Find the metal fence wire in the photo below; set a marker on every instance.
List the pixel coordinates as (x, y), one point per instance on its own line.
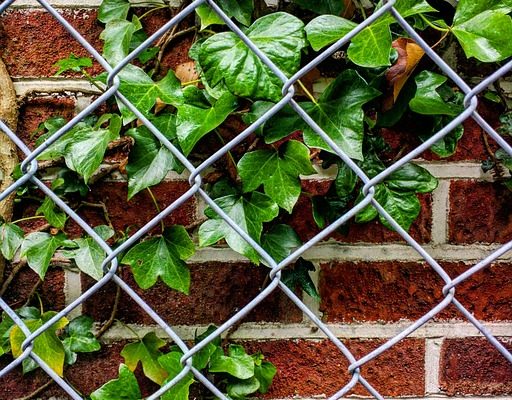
(30, 166)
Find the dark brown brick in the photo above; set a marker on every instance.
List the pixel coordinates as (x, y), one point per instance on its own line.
(474, 366)
(218, 290)
(316, 368)
(51, 290)
(33, 41)
(373, 232)
(479, 212)
(391, 291)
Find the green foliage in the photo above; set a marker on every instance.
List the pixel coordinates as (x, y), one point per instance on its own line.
(11, 237)
(322, 6)
(125, 387)
(72, 63)
(39, 248)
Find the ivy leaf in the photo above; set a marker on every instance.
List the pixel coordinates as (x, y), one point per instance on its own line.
(339, 113)
(485, 36)
(346, 180)
(248, 213)
(11, 237)
(194, 122)
(117, 36)
(53, 214)
(162, 257)
(146, 352)
(72, 63)
(280, 241)
(47, 345)
(39, 248)
(171, 363)
(5, 329)
(447, 146)
(377, 36)
(125, 387)
(299, 276)
(113, 9)
(79, 338)
(89, 256)
(404, 207)
(427, 100)
(334, 7)
(142, 91)
(208, 17)
(149, 161)
(411, 177)
(237, 363)
(225, 58)
(277, 171)
(239, 389)
(264, 372)
(327, 29)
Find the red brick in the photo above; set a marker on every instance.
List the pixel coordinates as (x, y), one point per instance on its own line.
(373, 232)
(39, 109)
(129, 216)
(217, 291)
(479, 212)
(316, 368)
(51, 290)
(474, 366)
(391, 291)
(33, 41)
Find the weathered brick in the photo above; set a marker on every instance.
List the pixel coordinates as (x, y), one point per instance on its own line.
(479, 212)
(474, 366)
(316, 368)
(391, 291)
(373, 232)
(218, 290)
(51, 289)
(32, 41)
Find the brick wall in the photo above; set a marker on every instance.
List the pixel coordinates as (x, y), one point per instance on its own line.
(372, 285)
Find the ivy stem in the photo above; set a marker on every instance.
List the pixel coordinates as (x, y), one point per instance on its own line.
(157, 207)
(441, 40)
(38, 390)
(151, 11)
(112, 318)
(191, 82)
(308, 93)
(16, 269)
(130, 329)
(27, 219)
(92, 81)
(437, 28)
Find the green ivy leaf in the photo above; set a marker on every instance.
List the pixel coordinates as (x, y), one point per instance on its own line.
(39, 248)
(53, 214)
(327, 29)
(149, 161)
(427, 99)
(248, 213)
(486, 36)
(225, 58)
(280, 241)
(277, 171)
(339, 113)
(377, 36)
(47, 345)
(113, 9)
(89, 255)
(143, 92)
(194, 122)
(202, 357)
(334, 7)
(162, 257)
(413, 178)
(117, 36)
(146, 351)
(5, 329)
(241, 10)
(72, 63)
(239, 389)
(237, 363)
(79, 338)
(404, 207)
(125, 387)
(208, 17)
(299, 276)
(11, 237)
(171, 363)
(264, 372)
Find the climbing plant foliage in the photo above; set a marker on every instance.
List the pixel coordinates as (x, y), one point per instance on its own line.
(377, 82)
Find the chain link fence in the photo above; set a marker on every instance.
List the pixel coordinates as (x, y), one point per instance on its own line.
(29, 168)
